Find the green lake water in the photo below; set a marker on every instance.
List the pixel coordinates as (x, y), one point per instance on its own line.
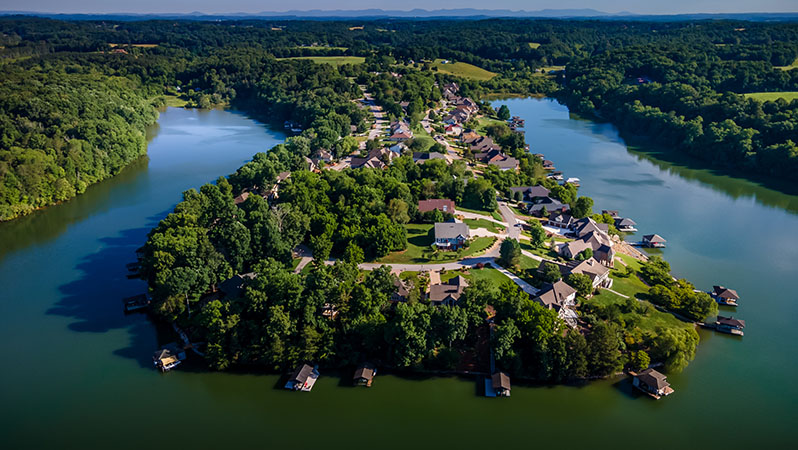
(77, 372)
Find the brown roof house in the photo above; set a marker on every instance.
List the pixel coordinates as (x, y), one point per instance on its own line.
(402, 293)
(500, 382)
(451, 235)
(447, 293)
(724, 295)
(443, 205)
(364, 374)
(599, 273)
(560, 297)
(652, 383)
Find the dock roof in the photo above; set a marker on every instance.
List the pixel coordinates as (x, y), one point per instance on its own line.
(723, 292)
(651, 377)
(500, 380)
(731, 322)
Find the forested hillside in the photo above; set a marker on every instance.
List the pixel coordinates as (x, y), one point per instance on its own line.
(77, 96)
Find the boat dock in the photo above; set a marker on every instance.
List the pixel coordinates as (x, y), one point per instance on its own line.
(136, 303)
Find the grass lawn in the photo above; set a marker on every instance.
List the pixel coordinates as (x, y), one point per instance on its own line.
(493, 214)
(534, 44)
(544, 252)
(463, 70)
(651, 319)
(472, 275)
(334, 60)
(175, 101)
(419, 241)
(320, 47)
(485, 121)
(772, 96)
(486, 224)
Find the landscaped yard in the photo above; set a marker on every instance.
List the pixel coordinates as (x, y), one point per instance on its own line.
(463, 70)
(651, 319)
(493, 227)
(472, 275)
(419, 242)
(493, 214)
(334, 60)
(773, 96)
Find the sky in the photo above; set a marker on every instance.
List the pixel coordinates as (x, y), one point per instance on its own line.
(252, 6)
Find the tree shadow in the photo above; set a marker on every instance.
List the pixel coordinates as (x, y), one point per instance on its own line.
(93, 300)
(624, 386)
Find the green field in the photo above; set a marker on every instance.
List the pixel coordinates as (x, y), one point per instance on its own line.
(333, 60)
(651, 319)
(534, 44)
(419, 242)
(463, 70)
(493, 227)
(772, 96)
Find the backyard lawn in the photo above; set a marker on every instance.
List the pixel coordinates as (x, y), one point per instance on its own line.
(493, 227)
(419, 242)
(493, 214)
(651, 319)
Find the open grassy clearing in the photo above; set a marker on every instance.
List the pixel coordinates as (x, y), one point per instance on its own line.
(320, 47)
(794, 65)
(493, 227)
(333, 60)
(651, 318)
(772, 96)
(473, 275)
(133, 45)
(463, 70)
(493, 214)
(175, 101)
(534, 44)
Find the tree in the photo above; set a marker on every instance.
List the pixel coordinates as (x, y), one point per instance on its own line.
(583, 207)
(604, 349)
(656, 271)
(449, 324)
(503, 113)
(397, 210)
(537, 233)
(504, 336)
(510, 253)
(580, 282)
(639, 360)
(585, 254)
(353, 254)
(551, 272)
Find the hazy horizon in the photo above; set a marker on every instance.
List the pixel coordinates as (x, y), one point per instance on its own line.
(254, 6)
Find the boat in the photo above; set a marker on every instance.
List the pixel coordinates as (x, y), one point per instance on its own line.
(136, 302)
(303, 378)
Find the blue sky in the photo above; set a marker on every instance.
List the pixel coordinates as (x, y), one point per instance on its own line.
(229, 6)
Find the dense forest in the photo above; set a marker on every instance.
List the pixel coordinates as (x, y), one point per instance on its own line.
(77, 96)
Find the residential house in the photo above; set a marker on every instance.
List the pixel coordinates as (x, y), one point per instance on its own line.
(321, 156)
(468, 136)
(560, 219)
(443, 205)
(599, 273)
(492, 154)
(549, 205)
(447, 293)
(234, 287)
(652, 382)
(422, 157)
(274, 192)
(398, 148)
(653, 240)
(402, 293)
(241, 198)
(572, 249)
(451, 235)
(508, 163)
(379, 158)
(583, 227)
(532, 194)
(303, 378)
(453, 130)
(560, 297)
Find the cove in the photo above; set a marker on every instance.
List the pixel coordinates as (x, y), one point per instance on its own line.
(78, 372)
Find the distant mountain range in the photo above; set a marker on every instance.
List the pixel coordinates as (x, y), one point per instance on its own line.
(462, 13)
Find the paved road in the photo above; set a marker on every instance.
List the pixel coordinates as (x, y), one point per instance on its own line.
(508, 215)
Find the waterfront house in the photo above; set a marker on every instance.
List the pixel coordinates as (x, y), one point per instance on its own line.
(585, 226)
(364, 374)
(447, 293)
(599, 273)
(321, 156)
(560, 297)
(378, 158)
(401, 293)
(625, 224)
(730, 325)
(652, 383)
(234, 287)
(500, 382)
(303, 378)
(549, 205)
(724, 296)
(548, 165)
(443, 205)
(168, 357)
(451, 236)
(531, 194)
(241, 198)
(508, 163)
(572, 249)
(560, 219)
(653, 241)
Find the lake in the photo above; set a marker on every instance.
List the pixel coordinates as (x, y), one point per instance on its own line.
(78, 372)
